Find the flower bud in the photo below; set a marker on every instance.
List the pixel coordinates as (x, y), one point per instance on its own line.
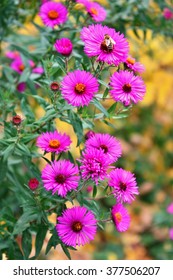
(33, 184)
(54, 86)
(16, 120)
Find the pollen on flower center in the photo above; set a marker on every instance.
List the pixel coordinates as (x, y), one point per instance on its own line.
(60, 178)
(54, 143)
(123, 186)
(127, 88)
(118, 217)
(21, 67)
(93, 11)
(53, 14)
(77, 226)
(104, 148)
(130, 60)
(80, 88)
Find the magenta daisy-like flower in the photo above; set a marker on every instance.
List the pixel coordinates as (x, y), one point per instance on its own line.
(78, 87)
(18, 65)
(124, 185)
(105, 43)
(170, 208)
(96, 11)
(77, 226)
(21, 87)
(53, 142)
(64, 46)
(53, 14)
(107, 143)
(133, 65)
(126, 87)
(94, 165)
(120, 217)
(60, 177)
(12, 54)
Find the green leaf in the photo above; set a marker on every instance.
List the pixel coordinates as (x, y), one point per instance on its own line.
(66, 251)
(53, 242)
(3, 169)
(112, 108)
(41, 234)
(71, 157)
(100, 107)
(26, 243)
(7, 152)
(94, 190)
(77, 125)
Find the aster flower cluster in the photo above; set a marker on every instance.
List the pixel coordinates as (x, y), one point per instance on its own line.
(18, 65)
(73, 84)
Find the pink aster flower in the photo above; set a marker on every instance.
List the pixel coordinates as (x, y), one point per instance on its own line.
(12, 54)
(105, 43)
(126, 87)
(21, 87)
(170, 208)
(78, 87)
(53, 14)
(171, 233)
(60, 177)
(53, 142)
(107, 143)
(77, 226)
(124, 185)
(120, 217)
(168, 14)
(18, 65)
(63, 46)
(96, 11)
(38, 70)
(94, 165)
(133, 65)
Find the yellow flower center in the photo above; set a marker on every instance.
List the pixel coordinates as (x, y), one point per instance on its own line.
(76, 226)
(127, 88)
(53, 14)
(80, 88)
(21, 67)
(130, 60)
(93, 11)
(54, 143)
(118, 217)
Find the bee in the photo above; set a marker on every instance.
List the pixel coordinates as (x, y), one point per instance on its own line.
(108, 43)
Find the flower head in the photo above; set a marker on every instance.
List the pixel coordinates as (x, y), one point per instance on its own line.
(126, 87)
(21, 87)
(133, 65)
(94, 165)
(64, 46)
(167, 13)
(107, 143)
(33, 184)
(77, 226)
(124, 185)
(96, 11)
(105, 43)
(60, 177)
(53, 142)
(78, 87)
(120, 217)
(18, 65)
(53, 14)
(170, 208)
(12, 54)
